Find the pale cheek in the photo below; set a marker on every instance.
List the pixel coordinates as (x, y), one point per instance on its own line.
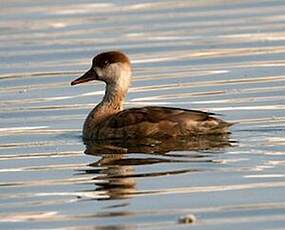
(113, 71)
(99, 72)
(125, 79)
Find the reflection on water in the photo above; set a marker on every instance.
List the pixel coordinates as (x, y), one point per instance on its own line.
(158, 146)
(117, 177)
(217, 56)
(116, 173)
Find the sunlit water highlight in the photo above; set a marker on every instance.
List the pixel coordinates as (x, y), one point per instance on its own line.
(220, 56)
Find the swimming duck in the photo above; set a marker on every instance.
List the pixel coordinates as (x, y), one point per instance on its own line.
(108, 120)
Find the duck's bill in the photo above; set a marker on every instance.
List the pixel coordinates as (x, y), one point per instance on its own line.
(90, 75)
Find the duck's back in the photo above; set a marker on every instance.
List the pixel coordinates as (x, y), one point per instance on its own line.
(158, 122)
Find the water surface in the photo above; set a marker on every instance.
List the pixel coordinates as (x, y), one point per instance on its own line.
(217, 56)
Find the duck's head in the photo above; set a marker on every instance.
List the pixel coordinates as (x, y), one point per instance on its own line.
(112, 67)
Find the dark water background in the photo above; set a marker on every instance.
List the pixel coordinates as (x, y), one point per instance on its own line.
(220, 56)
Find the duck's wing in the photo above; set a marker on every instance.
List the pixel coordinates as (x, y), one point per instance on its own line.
(161, 121)
(155, 114)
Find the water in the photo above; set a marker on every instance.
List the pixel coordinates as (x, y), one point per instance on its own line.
(223, 57)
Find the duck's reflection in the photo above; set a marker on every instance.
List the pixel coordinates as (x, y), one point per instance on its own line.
(115, 172)
(158, 146)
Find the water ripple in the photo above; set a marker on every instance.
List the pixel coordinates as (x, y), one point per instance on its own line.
(225, 57)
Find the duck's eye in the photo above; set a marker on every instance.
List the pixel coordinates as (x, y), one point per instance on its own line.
(106, 62)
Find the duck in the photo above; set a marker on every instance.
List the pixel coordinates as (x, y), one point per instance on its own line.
(109, 119)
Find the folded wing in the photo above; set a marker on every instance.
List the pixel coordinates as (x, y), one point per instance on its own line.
(159, 122)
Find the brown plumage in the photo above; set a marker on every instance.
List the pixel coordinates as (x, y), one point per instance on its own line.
(108, 120)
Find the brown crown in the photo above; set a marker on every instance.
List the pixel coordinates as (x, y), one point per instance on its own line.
(104, 59)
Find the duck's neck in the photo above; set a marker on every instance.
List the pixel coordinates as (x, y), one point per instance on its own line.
(111, 104)
(113, 99)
